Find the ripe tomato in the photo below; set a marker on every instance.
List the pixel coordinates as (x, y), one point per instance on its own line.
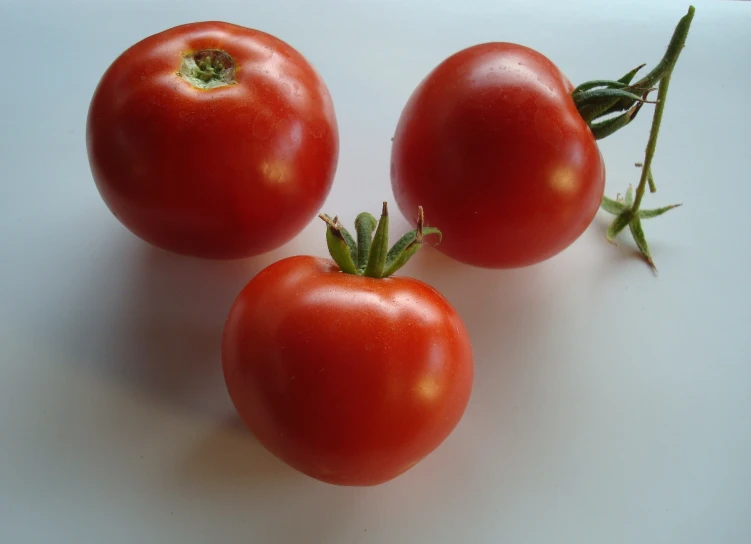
(349, 379)
(493, 145)
(213, 140)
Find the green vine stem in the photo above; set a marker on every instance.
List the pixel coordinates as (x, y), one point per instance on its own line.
(370, 255)
(662, 95)
(600, 101)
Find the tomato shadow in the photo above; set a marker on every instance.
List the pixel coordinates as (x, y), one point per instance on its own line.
(228, 461)
(509, 315)
(158, 320)
(153, 322)
(149, 323)
(502, 309)
(240, 478)
(167, 334)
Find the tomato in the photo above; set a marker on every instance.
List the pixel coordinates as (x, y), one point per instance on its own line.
(349, 379)
(213, 140)
(492, 144)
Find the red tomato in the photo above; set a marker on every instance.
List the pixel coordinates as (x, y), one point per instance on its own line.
(492, 144)
(349, 379)
(213, 140)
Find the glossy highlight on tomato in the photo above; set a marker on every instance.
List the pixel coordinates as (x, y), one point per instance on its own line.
(492, 144)
(213, 140)
(349, 379)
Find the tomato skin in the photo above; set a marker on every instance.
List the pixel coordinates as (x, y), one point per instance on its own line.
(492, 144)
(222, 173)
(348, 379)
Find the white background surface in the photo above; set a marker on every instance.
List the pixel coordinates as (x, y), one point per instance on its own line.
(610, 406)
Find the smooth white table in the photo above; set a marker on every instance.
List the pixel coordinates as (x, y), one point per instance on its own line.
(610, 406)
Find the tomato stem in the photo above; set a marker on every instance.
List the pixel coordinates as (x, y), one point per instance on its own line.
(208, 69)
(654, 132)
(599, 98)
(627, 210)
(371, 253)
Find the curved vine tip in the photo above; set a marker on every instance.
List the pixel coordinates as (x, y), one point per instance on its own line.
(370, 255)
(599, 101)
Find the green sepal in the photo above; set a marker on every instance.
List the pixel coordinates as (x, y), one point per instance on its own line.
(628, 199)
(347, 236)
(621, 222)
(596, 102)
(649, 214)
(338, 247)
(403, 250)
(379, 247)
(406, 240)
(629, 77)
(604, 94)
(641, 242)
(603, 129)
(402, 258)
(365, 224)
(612, 206)
(599, 83)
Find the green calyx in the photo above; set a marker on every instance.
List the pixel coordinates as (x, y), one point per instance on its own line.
(627, 215)
(607, 106)
(370, 255)
(607, 99)
(208, 69)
